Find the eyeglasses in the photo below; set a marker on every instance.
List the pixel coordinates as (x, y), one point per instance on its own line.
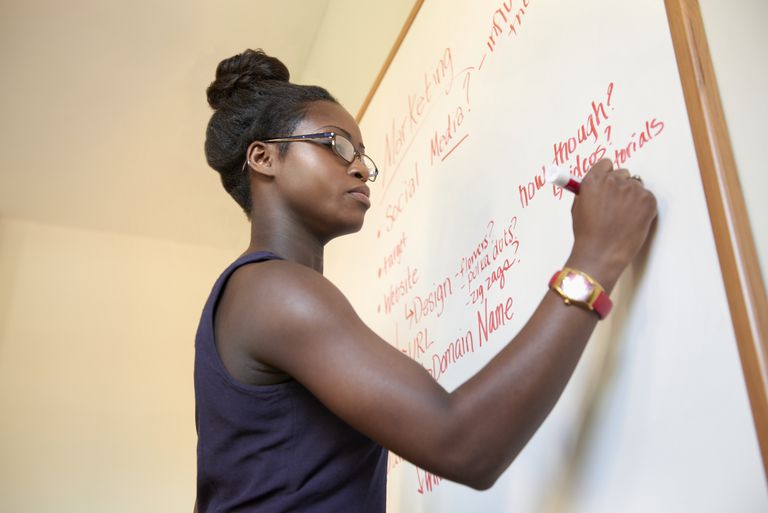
(340, 145)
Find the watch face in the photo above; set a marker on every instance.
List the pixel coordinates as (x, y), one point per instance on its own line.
(577, 287)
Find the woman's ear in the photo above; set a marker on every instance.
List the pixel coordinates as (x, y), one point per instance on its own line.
(262, 157)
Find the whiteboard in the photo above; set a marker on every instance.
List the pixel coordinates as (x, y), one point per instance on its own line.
(463, 237)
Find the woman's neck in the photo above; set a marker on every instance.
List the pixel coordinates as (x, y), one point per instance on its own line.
(292, 244)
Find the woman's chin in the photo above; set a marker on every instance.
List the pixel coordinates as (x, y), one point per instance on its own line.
(350, 228)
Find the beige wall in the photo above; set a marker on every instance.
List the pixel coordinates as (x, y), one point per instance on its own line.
(351, 46)
(97, 328)
(96, 338)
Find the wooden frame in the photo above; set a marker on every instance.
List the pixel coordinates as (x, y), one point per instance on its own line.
(739, 265)
(395, 48)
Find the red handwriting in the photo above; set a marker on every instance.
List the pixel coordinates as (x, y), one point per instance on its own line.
(477, 294)
(582, 162)
(434, 302)
(465, 83)
(589, 130)
(652, 128)
(471, 264)
(441, 145)
(448, 153)
(585, 162)
(394, 256)
(393, 461)
(402, 129)
(485, 268)
(489, 322)
(456, 350)
(427, 481)
(510, 15)
(443, 72)
(499, 275)
(485, 260)
(508, 239)
(408, 190)
(529, 190)
(399, 290)
(416, 346)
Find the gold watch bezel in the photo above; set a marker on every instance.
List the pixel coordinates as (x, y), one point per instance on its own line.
(589, 303)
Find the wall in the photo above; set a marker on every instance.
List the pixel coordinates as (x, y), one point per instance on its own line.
(97, 327)
(96, 334)
(738, 43)
(352, 43)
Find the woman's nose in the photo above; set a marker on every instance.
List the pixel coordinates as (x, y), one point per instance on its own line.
(359, 170)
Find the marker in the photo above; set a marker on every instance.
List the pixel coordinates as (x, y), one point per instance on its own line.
(560, 176)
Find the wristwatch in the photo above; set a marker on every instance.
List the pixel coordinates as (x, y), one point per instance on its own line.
(580, 289)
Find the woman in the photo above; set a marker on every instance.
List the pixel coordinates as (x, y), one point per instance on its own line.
(296, 397)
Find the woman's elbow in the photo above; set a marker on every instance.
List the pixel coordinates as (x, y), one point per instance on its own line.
(477, 474)
(482, 483)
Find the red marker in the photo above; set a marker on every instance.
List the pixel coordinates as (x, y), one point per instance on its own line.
(560, 176)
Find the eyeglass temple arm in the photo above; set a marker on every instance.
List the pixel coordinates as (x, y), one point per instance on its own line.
(323, 135)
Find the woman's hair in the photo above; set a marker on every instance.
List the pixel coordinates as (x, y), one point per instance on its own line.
(253, 100)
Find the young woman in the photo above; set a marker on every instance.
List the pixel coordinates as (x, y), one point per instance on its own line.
(297, 399)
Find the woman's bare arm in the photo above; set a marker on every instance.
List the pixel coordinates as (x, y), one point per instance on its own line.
(307, 328)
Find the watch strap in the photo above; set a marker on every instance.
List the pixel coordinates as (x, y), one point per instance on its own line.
(602, 305)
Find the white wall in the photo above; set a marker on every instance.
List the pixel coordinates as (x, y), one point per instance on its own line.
(738, 42)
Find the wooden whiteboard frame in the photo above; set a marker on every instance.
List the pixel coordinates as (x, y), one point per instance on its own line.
(736, 251)
(385, 67)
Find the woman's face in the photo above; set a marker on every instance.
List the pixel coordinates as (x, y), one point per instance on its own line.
(328, 195)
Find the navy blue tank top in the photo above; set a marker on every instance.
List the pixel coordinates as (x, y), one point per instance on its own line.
(275, 448)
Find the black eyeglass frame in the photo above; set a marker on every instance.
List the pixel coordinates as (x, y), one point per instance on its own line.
(331, 137)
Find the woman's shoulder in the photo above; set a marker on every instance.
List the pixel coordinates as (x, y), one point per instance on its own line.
(276, 277)
(267, 312)
(268, 295)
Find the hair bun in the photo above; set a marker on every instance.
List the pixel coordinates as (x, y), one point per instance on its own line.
(244, 71)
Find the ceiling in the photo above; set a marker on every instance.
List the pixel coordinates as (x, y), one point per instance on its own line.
(104, 109)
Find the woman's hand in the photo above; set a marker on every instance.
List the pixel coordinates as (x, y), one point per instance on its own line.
(612, 216)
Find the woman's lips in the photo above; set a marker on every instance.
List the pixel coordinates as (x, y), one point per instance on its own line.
(361, 197)
(361, 194)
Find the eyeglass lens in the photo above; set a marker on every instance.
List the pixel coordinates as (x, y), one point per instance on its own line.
(346, 150)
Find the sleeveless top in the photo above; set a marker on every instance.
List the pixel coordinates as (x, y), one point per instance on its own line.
(274, 448)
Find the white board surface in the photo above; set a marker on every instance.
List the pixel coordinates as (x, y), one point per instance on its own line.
(462, 239)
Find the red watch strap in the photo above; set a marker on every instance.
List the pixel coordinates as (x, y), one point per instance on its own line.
(602, 305)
